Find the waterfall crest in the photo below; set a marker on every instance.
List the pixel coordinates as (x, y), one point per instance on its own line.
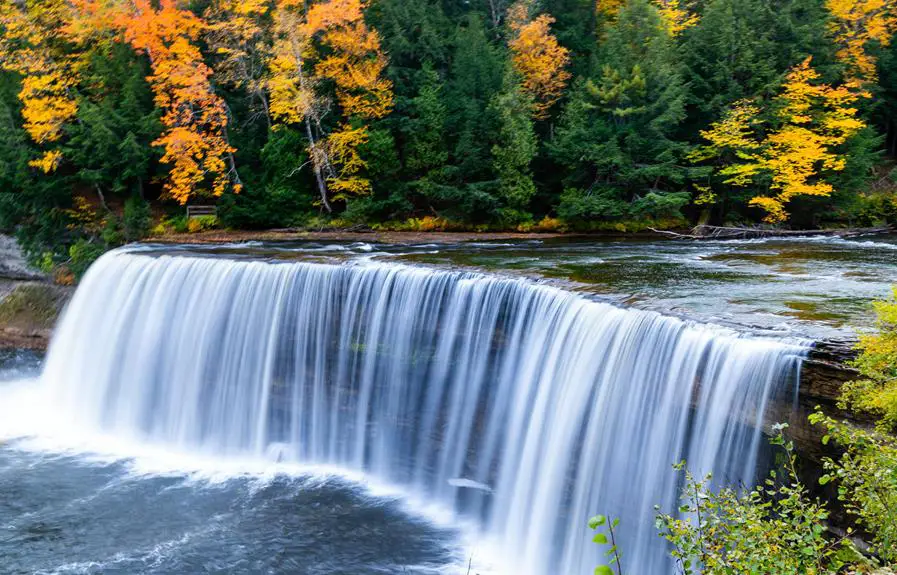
(523, 407)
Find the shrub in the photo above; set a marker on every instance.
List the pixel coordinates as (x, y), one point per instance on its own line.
(876, 390)
(81, 254)
(866, 475)
(773, 528)
(201, 224)
(136, 219)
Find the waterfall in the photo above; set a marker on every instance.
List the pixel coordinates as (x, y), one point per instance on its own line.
(523, 407)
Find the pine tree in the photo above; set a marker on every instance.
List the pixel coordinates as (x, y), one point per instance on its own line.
(617, 134)
(516, 147)
(730, 55)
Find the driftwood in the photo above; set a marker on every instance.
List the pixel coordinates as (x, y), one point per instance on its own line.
(704, 232)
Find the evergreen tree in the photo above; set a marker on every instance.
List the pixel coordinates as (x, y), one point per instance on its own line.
(515, 150)
(110, 144)
(616, 137)
(730, 55)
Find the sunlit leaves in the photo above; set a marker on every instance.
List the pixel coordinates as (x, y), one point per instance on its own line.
(343, 146)
(195, 140)
(856, 26)
(677, 15)
(329, 43)
(537, 57)
(355, 62)
(33, 44)
(810, 122)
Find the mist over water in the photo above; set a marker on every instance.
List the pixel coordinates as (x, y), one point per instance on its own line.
(517, 410)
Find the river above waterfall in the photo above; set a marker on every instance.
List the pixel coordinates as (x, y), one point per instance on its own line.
(813, 287)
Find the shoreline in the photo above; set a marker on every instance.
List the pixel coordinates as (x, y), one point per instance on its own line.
(387, 237)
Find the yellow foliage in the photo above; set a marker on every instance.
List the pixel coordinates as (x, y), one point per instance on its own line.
(47, 162)
(342, 147)
(537, 57)
(351, 58)
(607, 10)
(812, 120)
(705, 196)
(815, 119)
(290, 89)
(734, 132)
(84, 216)
(195, 118)
(32, 37)
(855, 24)
(356, 62)
(676, 16)
(236, 34)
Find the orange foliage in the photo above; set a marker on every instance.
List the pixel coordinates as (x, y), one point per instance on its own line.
(195, 118)
(356, 61)
(857, 23)
(537, 57)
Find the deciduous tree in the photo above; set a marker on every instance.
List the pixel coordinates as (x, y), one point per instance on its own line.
(195, 118)
(33, 45)
(537, 57)
(856, 26)
(810, 122)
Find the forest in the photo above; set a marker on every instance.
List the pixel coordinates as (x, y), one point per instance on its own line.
(533, 115)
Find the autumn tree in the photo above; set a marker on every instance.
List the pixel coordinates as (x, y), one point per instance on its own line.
(238, 35)
(677, 15)
(537, 57)
(33, 44)
(351, 59)
(810, 122)
(857, 25)
(195, 118)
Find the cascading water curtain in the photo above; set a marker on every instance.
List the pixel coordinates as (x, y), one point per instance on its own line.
(523, 407)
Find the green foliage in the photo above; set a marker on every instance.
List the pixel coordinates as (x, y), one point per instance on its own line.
(617, 137)
(876, 390)
(866, 477)
(136, 219)
(82, 253)
(774, 528)
(202, 224)
(516, 148)
(598, 523)
(459, 143)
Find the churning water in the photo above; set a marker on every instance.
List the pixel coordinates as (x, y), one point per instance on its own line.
(516, 408)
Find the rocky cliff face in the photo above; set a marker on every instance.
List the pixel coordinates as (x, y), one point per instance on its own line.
(29, 301)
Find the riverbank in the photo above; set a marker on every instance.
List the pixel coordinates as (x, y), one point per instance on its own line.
(386, 237)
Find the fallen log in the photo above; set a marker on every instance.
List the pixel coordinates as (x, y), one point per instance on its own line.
(705, 232)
